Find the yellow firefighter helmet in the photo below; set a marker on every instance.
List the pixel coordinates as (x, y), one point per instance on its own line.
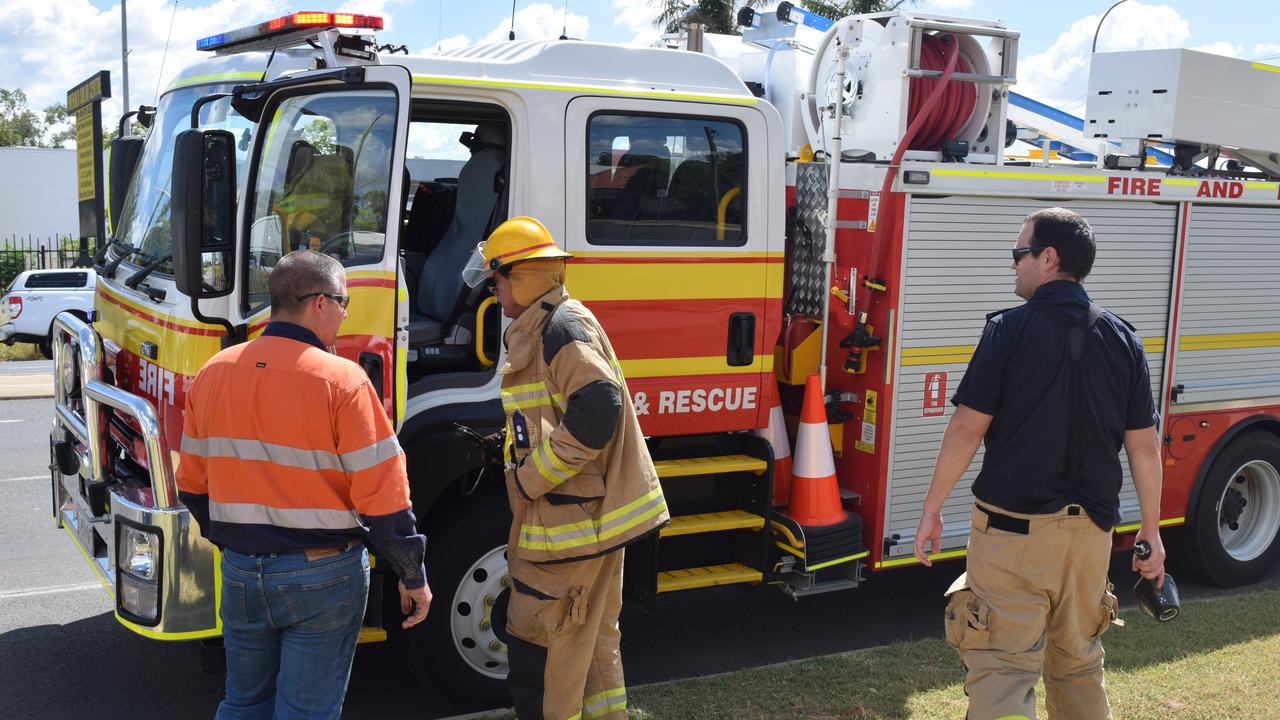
(516, 240)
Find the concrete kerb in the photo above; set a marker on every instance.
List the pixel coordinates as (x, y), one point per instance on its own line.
(15, 387)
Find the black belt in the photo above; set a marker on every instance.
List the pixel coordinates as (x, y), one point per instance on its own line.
(1009, 523)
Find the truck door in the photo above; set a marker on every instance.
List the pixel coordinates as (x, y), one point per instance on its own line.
(667, 216)
(326, 175)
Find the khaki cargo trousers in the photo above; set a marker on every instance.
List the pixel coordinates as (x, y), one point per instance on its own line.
(564, 656)
(1032, 604)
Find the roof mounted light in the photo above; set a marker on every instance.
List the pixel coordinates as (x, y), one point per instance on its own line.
(308, 22)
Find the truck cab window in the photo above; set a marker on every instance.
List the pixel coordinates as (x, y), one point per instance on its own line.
(660, 180)
(322, 182)
(143, 226)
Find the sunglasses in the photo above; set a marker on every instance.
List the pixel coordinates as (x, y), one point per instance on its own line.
(1019, 252)
(342, 300)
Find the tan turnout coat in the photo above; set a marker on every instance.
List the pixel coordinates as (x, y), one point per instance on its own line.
(580, 479)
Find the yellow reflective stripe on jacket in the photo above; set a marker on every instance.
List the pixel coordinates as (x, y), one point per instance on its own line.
(549, 466)
(586, 532)
(604, 703)
(522, 397)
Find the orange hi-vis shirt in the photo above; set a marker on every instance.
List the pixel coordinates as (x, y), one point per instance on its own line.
(286, 446)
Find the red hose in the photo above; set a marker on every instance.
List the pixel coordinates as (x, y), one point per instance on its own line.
(952, 112)
(942, 46)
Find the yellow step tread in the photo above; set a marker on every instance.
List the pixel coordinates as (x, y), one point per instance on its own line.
(712, 522)
(371, 635)
(709, 465)
(708, 576)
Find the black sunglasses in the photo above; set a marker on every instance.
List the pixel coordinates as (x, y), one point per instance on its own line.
(1019, 252)
(342, 300)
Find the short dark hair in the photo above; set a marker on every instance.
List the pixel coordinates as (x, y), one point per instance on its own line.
(300, 273)
(1069, 234)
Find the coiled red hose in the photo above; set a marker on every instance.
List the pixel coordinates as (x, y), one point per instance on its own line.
(951, 112)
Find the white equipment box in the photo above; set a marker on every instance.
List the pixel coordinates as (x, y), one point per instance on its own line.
(1185, 96)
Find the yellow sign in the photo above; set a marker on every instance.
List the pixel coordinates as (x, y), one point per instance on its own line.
(95, 88)
(866, 441)
(85, 148)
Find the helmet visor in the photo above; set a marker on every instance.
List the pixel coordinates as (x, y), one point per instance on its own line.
(477, 271)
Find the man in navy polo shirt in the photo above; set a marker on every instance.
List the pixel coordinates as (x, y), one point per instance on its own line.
(1055, 388)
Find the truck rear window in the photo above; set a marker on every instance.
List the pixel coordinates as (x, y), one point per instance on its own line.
(57, 280)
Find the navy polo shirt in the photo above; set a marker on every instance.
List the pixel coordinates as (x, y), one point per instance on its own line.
(1021, 375)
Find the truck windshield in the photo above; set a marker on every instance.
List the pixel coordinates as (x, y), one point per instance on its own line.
(143, 226)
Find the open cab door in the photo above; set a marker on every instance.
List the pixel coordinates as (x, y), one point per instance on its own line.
(327, 174)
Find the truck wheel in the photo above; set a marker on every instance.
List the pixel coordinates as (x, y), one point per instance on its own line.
(1237, 519)
(456, 646)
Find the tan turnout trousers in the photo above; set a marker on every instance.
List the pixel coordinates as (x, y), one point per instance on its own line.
(564, 655)
(1030, 604)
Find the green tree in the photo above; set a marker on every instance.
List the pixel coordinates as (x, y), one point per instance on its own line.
(19, 124)
(721, 16)
(837, 10)
(59, 127)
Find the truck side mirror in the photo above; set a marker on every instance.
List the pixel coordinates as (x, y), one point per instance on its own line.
(203, 212)
(125, 153)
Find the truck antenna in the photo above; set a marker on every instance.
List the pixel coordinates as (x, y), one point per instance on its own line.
(512, 35)
(165, 55)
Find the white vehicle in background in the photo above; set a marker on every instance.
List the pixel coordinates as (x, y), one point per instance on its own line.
(35, 297)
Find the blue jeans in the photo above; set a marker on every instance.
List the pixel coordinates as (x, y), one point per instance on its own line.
(290, 628)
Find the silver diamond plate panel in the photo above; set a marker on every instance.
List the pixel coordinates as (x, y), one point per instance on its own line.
(806, 237)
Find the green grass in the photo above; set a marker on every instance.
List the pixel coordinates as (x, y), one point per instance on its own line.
(19, 351)
(1219, 659)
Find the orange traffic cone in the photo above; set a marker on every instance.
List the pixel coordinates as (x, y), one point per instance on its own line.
(815, 494)
(776, 434)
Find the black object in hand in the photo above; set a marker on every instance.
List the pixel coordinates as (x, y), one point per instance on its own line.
(1162, 602)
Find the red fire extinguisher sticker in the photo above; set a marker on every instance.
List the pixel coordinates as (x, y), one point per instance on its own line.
(935, 394)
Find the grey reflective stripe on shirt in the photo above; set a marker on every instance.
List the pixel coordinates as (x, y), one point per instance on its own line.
(242, 449)
(370, 455)
(297, 518)
(245, 449)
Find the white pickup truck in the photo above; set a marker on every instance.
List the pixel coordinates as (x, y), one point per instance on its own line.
(35, 296)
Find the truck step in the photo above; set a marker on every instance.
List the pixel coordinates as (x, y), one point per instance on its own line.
(712, 522)
(710, 465)
(371, 635)
(711, 575)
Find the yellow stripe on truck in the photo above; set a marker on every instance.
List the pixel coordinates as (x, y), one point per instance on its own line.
(673, 281)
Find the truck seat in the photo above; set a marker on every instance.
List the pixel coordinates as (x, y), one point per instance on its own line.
(478, 192)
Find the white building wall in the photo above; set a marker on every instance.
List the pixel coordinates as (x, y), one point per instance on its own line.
(37, 193)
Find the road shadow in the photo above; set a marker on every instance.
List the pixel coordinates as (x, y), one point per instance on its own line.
(95, 668)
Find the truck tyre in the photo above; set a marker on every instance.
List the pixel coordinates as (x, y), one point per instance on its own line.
(45, 346)
(456, 646)
(1236, 523)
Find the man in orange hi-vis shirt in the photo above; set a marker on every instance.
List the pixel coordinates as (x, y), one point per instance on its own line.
(289, 464)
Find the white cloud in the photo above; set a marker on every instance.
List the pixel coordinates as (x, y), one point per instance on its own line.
(1265, 51)
(539, 21)
(636, 17)
(51, 45)
(951, 4)
(1221, 47)
(1059, 76)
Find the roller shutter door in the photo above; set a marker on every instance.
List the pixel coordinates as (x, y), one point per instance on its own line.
(956, 271)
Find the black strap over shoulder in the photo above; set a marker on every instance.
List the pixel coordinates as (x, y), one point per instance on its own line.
(1077, 336)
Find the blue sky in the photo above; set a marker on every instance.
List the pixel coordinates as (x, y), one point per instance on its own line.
(51, 45)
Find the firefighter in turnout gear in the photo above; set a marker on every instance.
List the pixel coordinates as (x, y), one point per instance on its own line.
(579, 478)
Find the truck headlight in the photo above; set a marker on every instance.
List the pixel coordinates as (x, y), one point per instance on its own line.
(138, 555)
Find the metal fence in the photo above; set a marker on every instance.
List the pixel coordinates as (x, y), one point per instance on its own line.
(32, 252)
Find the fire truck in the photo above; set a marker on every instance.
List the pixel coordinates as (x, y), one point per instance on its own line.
(811, 197)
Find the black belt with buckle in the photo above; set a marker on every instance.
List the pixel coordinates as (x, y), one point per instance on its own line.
(1008, 523)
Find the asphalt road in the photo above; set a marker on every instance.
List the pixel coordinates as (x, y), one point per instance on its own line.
(26, 367)
(63, 654)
